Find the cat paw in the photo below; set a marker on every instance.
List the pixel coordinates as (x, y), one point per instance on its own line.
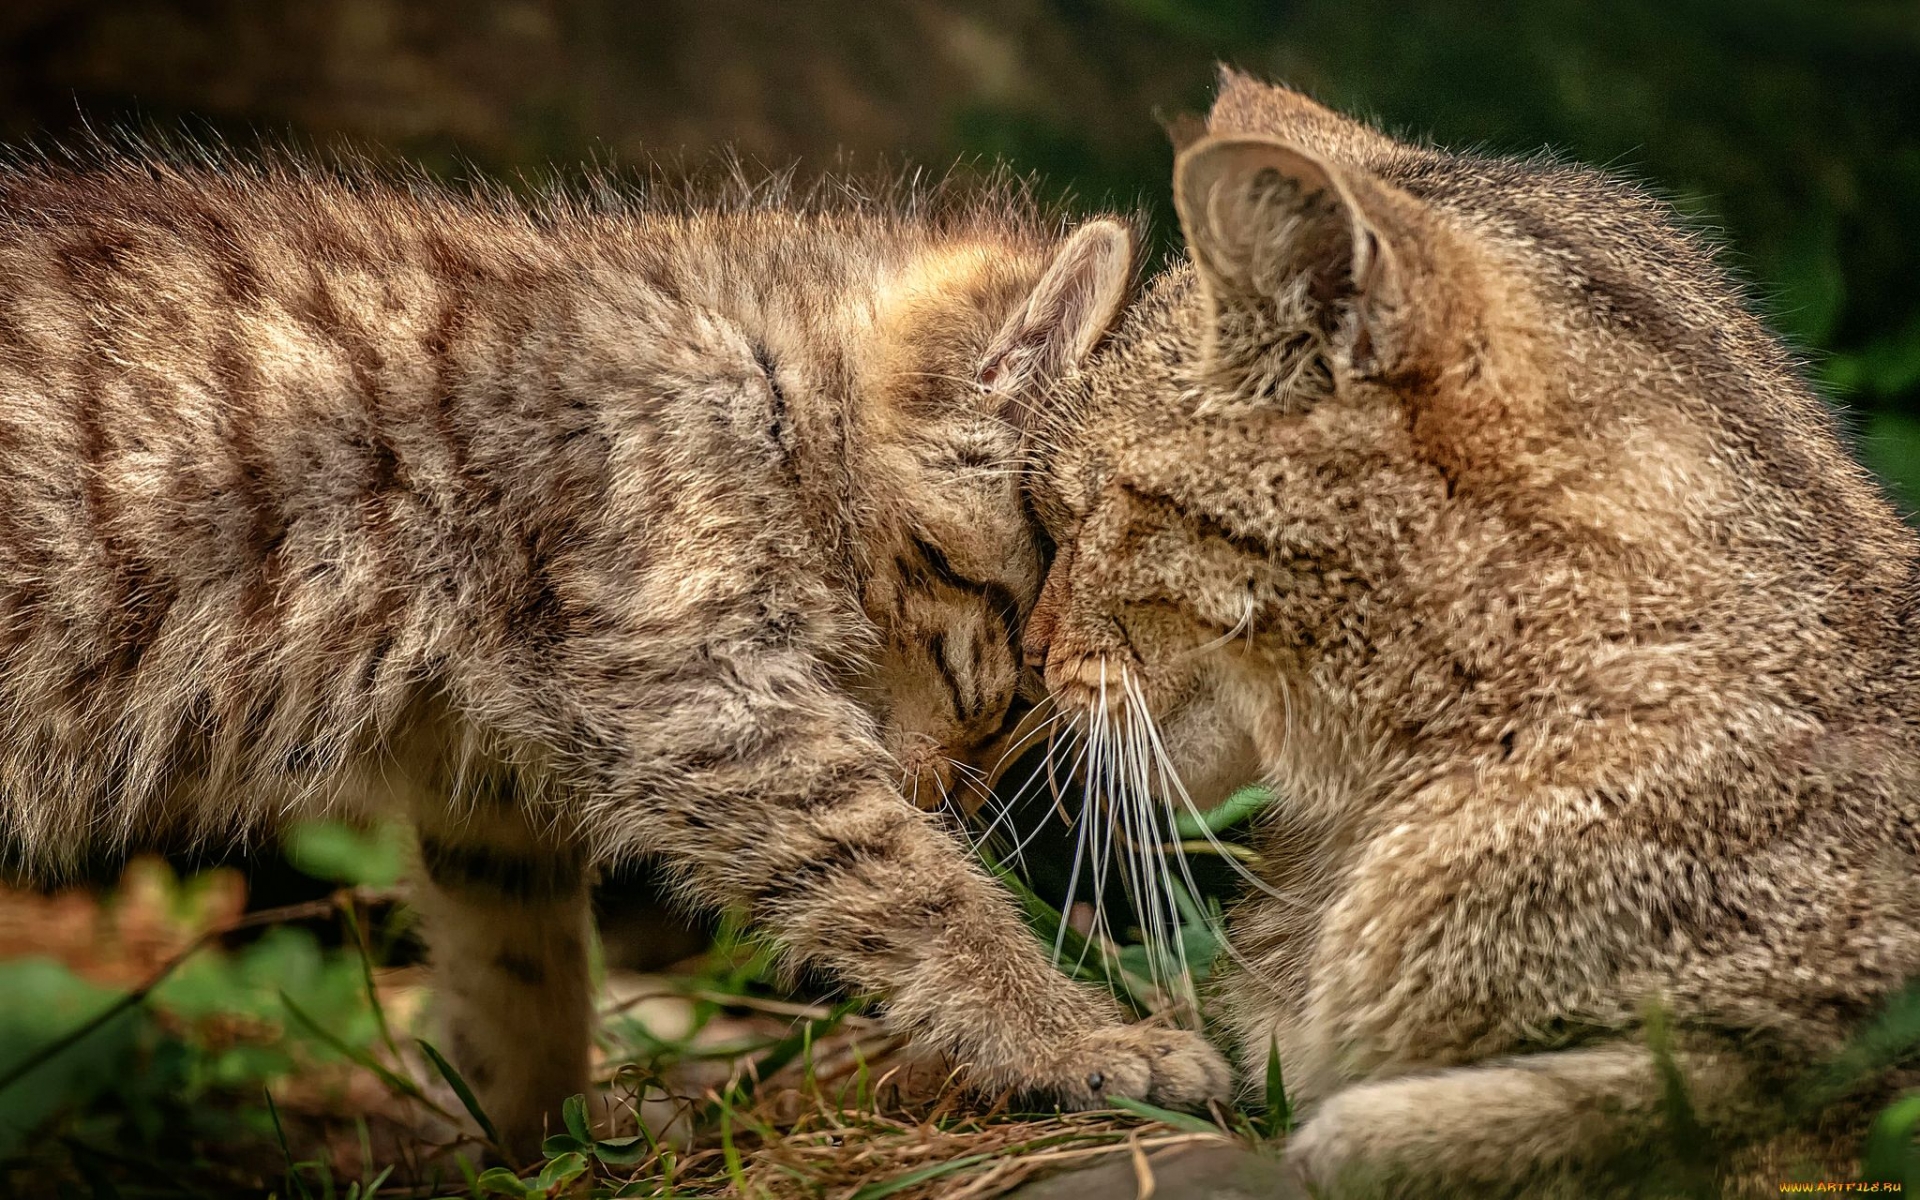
(1173, 1068)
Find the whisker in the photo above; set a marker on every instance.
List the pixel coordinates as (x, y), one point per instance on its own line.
(1073, 884)
(1032, 781)
(1243, 625)
(1162, 918)
(1097, 770)
(1171, 777)
(1023, 738)
(1022, 844)
(1079, 769)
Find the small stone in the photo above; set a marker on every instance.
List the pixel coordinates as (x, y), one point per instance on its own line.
(1196, 1172)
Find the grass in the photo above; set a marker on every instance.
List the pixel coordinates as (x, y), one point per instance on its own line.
(163, 1042)
(158, 1040)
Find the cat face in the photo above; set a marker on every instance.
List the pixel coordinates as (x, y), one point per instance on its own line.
(1147, 603)
(964, 568)
(1407, 426)
(970, 339)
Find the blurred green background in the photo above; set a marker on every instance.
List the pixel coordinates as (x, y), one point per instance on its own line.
(1788, 125)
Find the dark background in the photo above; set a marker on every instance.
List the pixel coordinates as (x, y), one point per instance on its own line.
(1788, 125)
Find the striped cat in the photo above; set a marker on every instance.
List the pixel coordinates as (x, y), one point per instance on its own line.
(567, 535)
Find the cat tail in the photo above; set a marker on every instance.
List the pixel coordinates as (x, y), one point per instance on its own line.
(1614, 1119)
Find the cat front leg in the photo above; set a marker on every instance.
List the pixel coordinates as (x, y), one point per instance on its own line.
(507, 922)
(765, 789)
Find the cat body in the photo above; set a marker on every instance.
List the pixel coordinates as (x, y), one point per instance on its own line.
(1581, 653)
(567, 536)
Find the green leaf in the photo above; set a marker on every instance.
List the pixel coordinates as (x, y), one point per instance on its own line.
(561, 1143)
(337, 851)
(574, 1113)
(624, 1152)
(498, 1181)
(1279, 1119)
(1199, 943)
(1166, 1116)
(561, 1171)
(460, 1089)
(45, 1003)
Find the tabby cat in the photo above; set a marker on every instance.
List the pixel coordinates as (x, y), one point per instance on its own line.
(1467, 493)
(568, 535)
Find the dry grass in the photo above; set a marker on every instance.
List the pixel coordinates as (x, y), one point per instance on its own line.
(856, 1116)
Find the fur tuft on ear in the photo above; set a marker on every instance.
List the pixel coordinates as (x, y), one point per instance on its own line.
(1069, 311)
(1293, 263)
(1246, 106)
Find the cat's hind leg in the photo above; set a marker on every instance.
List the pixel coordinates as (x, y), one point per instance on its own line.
(1607, 1120)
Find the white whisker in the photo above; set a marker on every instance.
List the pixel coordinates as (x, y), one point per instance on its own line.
(1024, 740)
(1171, 778)
(1243, 625)
(1162, 924)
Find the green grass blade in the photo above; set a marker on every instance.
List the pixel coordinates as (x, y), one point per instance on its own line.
(1692, 1144)
(1279, 1118)
(364, 952)
(295, 1183)
(1243, 805)
(729, 1152)
(360, 1058)
(1166, 1116)
(459, 1085)
(468, 1174)
(900, 1183)
(1891, 1038)
(1097, 966)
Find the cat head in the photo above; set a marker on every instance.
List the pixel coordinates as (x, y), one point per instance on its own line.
(1384, 368)
(965, 340)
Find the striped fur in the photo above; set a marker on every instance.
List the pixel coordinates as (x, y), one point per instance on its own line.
(568, 535)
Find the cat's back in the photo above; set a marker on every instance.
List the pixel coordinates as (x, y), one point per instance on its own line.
(277, 446)
(204, 369)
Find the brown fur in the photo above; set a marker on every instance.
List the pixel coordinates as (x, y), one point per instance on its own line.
(568, 535)
(1582, 654)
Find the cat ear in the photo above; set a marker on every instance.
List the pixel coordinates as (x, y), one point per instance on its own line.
(1067, 313)
(1297, 257)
